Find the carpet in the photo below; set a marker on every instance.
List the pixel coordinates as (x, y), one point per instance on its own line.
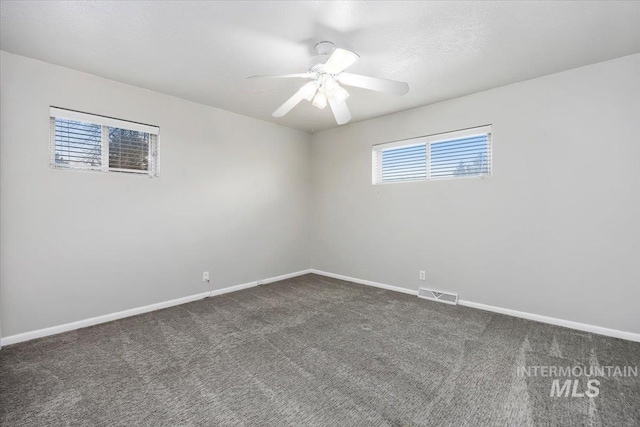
(313, 351)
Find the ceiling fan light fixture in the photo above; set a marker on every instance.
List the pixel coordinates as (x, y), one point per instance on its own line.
(320, 100)
(330, 86)
(309, 90)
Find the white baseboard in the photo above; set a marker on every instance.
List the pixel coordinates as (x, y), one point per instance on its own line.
(283, 277)
(555, 321)
(364, 282)
(631, 336)
(26, 336)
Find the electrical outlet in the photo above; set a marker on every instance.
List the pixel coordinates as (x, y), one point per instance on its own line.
(423, 275)
(205, 276)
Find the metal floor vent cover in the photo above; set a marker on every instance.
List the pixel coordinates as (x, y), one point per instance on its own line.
(445, 297)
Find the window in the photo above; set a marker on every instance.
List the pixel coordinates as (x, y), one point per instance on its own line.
(87, 141)
(448, 155)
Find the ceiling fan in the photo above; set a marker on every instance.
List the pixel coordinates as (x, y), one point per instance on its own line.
(327, 74)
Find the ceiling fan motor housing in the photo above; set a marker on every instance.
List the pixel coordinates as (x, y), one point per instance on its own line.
(324, 50)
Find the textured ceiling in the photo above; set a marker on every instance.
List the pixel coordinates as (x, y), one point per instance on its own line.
(202, 51)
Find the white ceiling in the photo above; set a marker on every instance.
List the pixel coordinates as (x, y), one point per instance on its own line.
(202, 51)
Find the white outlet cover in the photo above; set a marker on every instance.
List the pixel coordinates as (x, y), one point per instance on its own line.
(422, 275)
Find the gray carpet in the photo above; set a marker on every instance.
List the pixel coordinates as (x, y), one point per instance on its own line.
(312, 351)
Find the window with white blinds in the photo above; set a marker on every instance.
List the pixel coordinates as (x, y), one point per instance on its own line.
(448, 155)
(87, 141)
(407, 163)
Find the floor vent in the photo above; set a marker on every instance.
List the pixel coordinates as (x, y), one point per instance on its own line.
(445, 297)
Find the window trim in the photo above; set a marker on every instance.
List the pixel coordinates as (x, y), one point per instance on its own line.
(63, 113)
(428, 140)
(105, 122)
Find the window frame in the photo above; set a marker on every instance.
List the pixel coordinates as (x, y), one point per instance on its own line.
(377, 149)
(153, 156)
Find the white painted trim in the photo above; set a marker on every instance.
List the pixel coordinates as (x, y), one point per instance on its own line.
(102, 120)
(53, 330)
(284, 277)
(631, 336)
(365, 282)
(26, 336)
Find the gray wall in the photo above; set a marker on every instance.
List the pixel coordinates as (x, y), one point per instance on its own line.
(555, 231)
(232, 198)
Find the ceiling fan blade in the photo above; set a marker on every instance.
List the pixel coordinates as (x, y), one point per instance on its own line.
(281, 76)
(340, 111)
(374, 83)
(339, 60)
(305, 92)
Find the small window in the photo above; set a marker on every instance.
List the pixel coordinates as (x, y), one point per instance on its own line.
(449, 155)
(87, 141)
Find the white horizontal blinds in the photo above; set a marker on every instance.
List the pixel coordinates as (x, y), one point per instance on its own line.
(94, 143)
(77, 144)
(468, 156)
(128, 149)
(408, 163)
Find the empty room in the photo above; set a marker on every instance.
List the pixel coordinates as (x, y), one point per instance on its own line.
(310, 213)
